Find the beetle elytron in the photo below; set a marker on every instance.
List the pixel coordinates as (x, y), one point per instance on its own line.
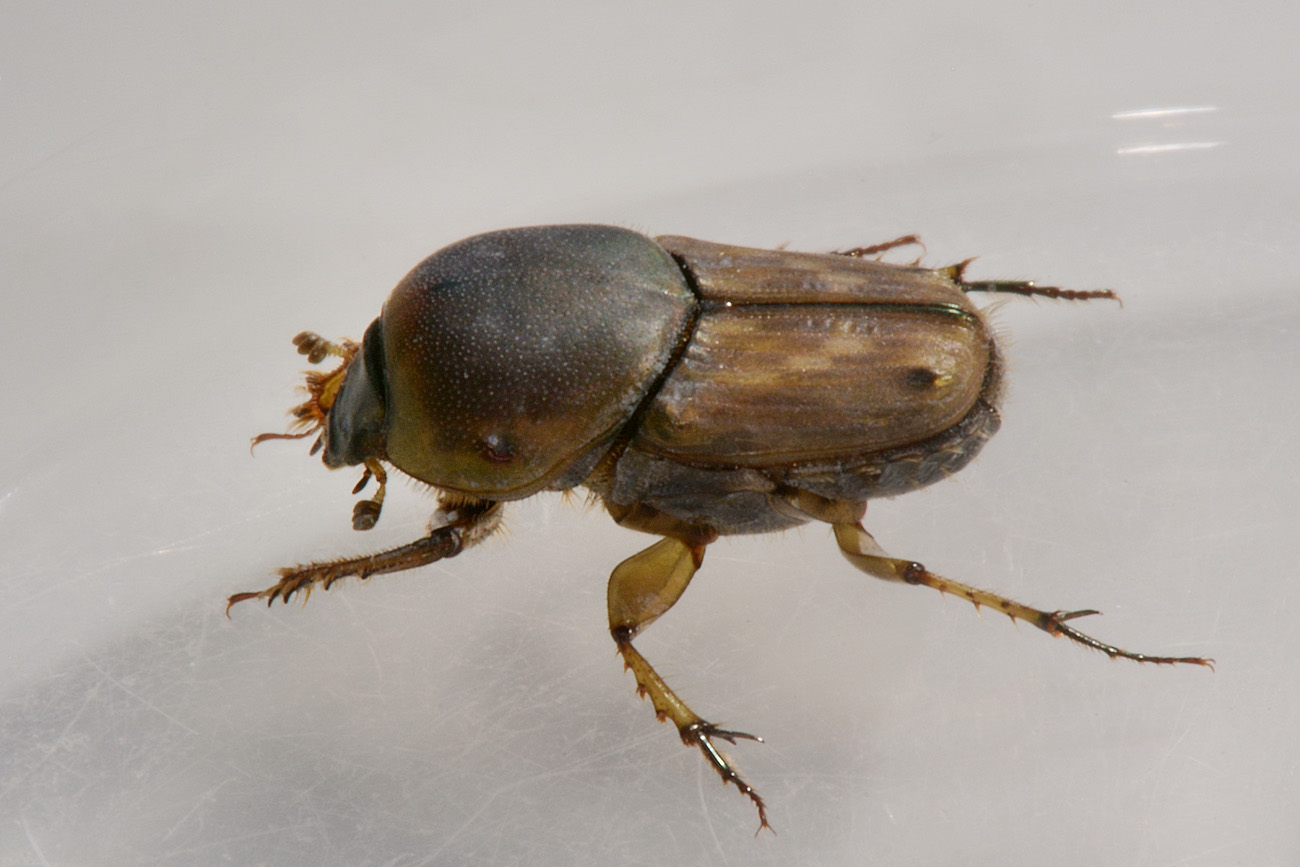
(696, 389)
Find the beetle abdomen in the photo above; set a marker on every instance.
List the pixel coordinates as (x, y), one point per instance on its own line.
(898, 470)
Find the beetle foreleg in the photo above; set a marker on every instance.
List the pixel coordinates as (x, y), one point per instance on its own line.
(864, 552)
(452, 531)
(642, 588)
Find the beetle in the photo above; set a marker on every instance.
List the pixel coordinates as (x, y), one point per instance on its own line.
(695, 389)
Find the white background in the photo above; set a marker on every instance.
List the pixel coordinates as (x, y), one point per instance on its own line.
(183, 187)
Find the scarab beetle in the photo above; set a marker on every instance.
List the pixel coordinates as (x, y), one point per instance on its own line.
(695, 389)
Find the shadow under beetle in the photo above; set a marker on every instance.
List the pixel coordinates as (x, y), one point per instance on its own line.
(696, 389)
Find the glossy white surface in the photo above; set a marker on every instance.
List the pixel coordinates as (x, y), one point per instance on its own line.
(184, 188)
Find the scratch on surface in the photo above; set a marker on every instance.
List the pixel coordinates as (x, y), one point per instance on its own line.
(49, 753)
(50, 584)
(200, 803)
(144, 701)
(469, 820)
(36, 847)
(491, 797)
(707, 813)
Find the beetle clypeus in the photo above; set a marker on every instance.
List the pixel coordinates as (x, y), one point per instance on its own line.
(696, 389)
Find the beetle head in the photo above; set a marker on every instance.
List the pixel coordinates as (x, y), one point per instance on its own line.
(353, 421)
(346, 408)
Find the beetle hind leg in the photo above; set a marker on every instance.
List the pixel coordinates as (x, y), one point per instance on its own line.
(862, 550)
(642, 588)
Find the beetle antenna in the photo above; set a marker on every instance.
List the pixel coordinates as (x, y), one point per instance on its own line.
(315, 347)
(322, 388)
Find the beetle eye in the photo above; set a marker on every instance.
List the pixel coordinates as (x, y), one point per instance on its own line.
(497, 449)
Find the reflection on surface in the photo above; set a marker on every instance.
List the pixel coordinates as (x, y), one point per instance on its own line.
(1170, 118)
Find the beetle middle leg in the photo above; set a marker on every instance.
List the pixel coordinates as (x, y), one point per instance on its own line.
(641, 589)
(861, 549)
(877, 249)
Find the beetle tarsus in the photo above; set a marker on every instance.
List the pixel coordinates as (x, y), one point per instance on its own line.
(1055, 625)
(1030, 289)
(700, 734)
